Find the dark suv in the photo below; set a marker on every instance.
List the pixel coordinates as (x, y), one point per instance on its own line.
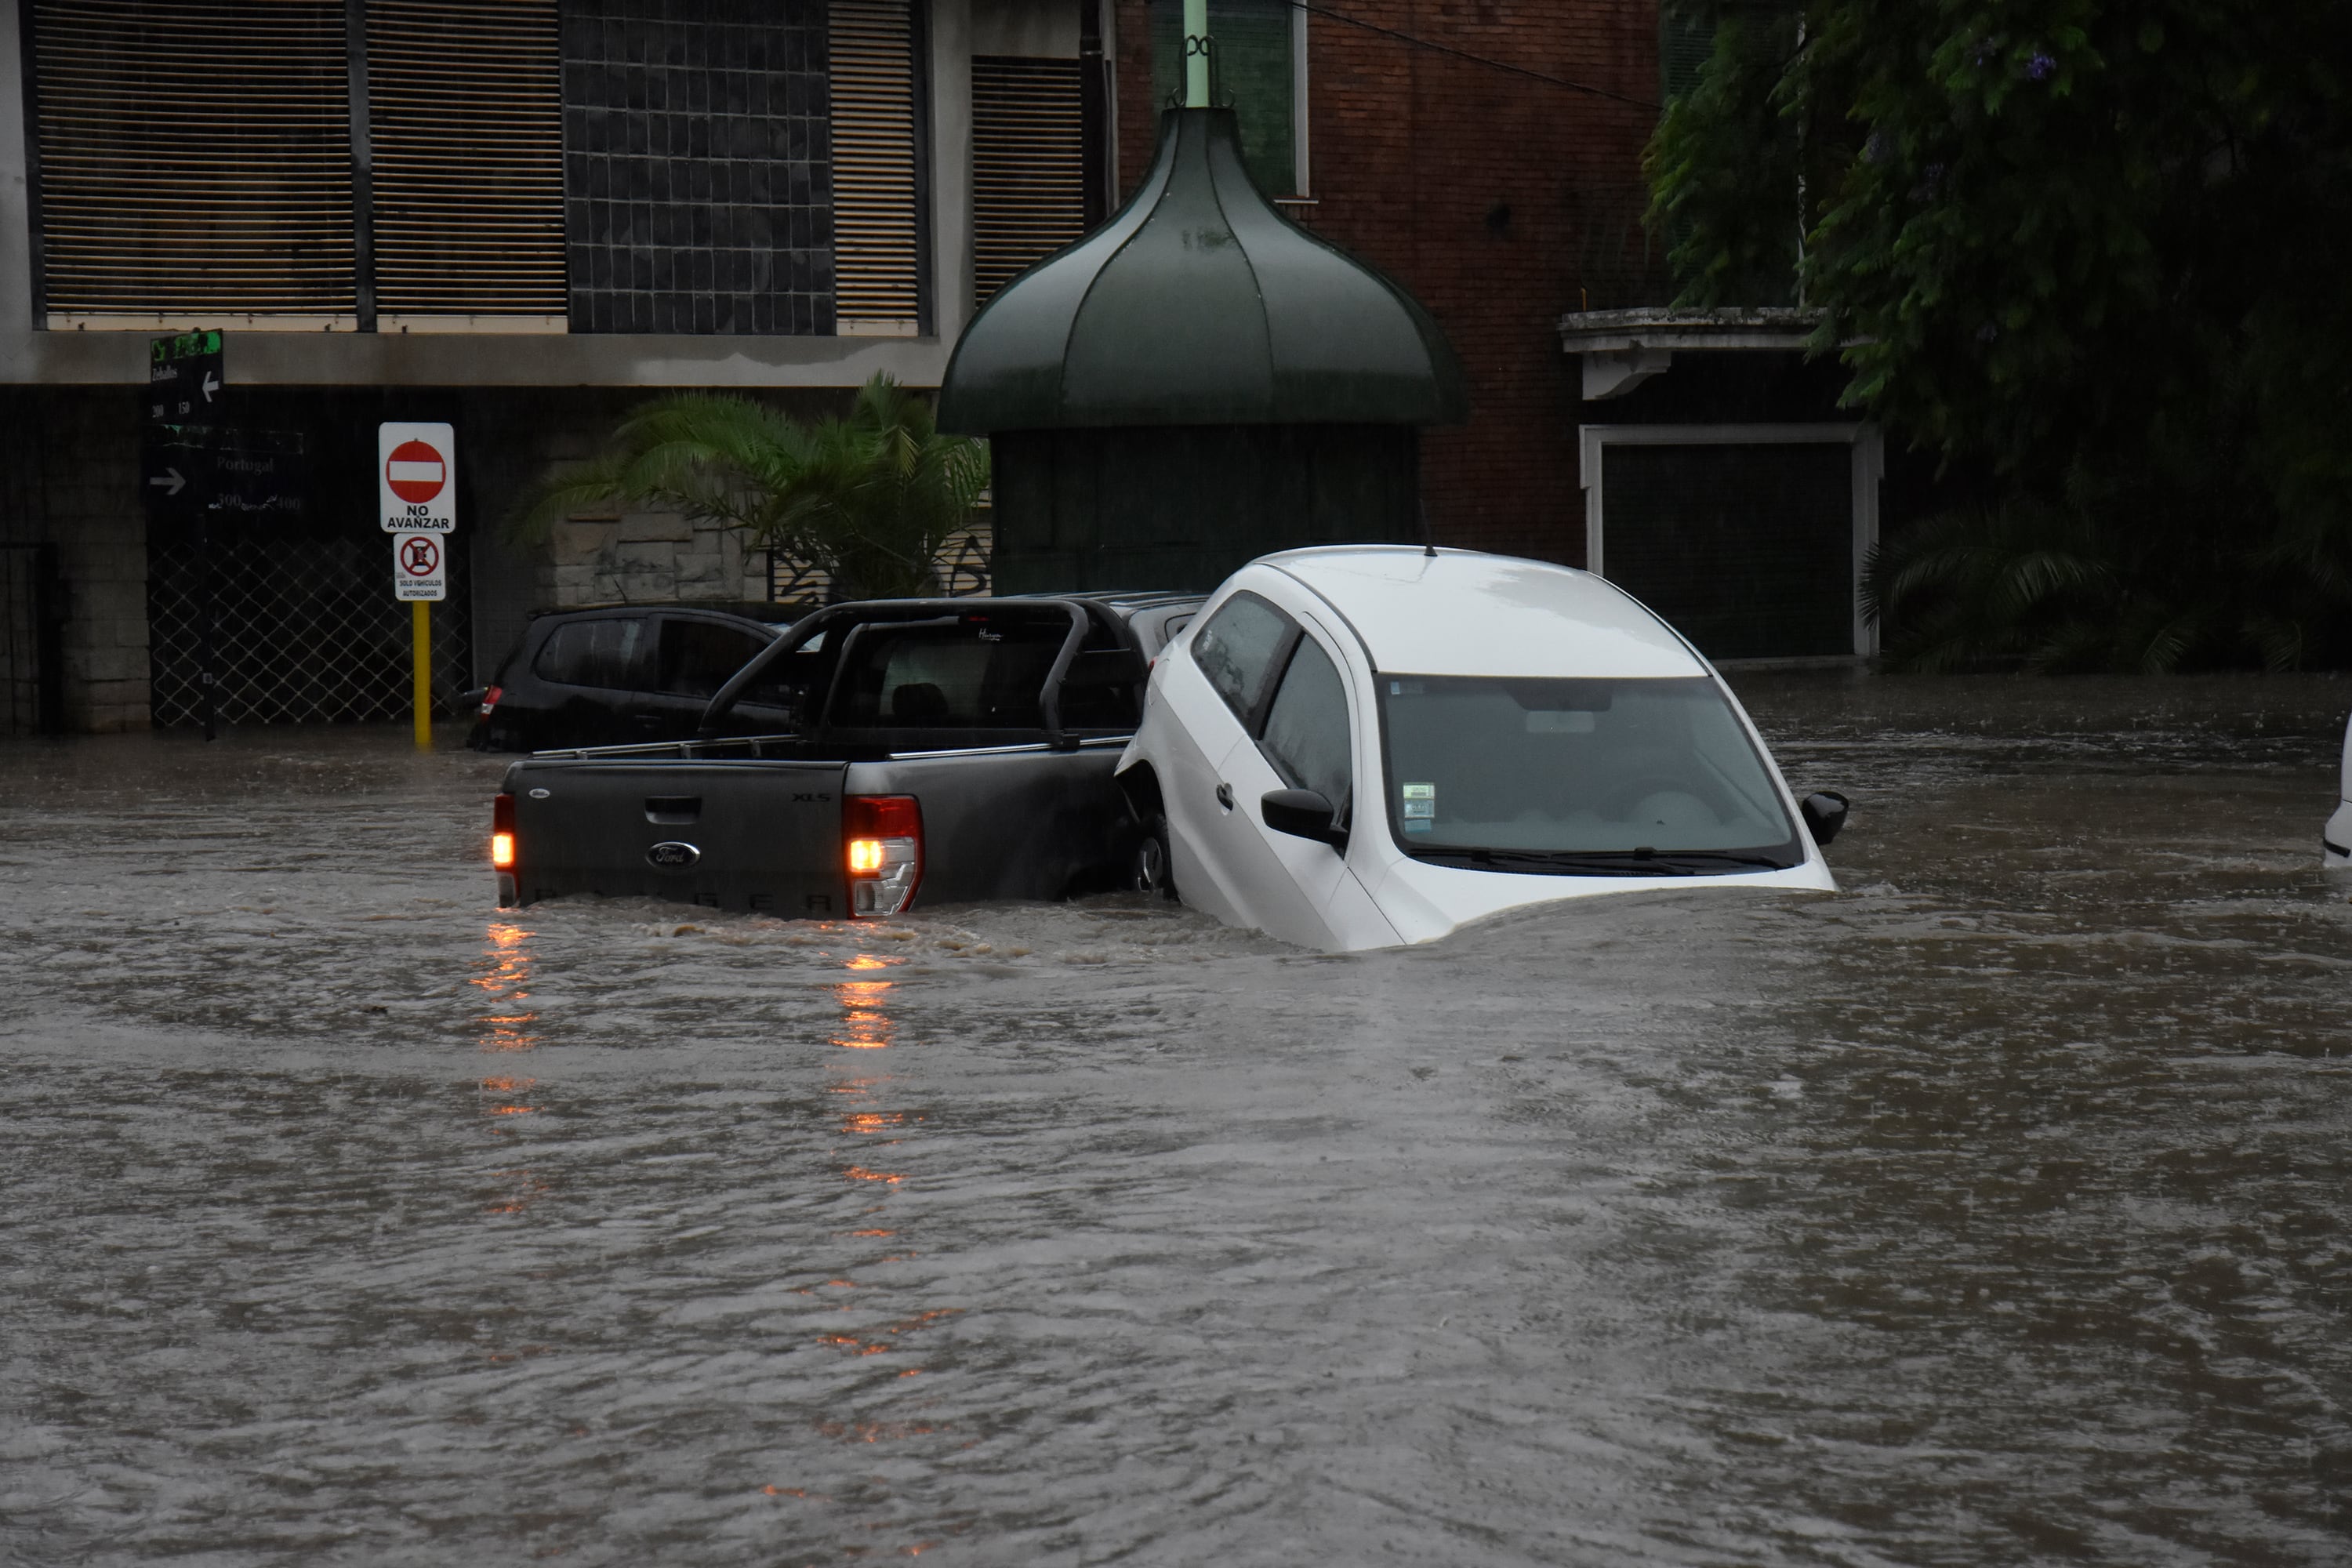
(619, 673)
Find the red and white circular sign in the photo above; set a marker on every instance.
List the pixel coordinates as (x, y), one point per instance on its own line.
(420, 555)
(416, 472)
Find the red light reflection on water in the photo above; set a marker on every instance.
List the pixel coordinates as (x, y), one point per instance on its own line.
(503, 970)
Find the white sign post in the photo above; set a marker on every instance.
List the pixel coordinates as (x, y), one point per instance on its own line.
(416, 490)
(416, 478)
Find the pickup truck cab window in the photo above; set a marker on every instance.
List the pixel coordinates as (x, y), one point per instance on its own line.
(601, 652)
(1237, 651)
(969, 674)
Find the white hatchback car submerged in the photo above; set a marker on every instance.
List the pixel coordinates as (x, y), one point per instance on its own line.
(1358, 746)
(2335, 839)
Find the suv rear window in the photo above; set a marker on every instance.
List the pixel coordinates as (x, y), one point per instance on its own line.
(696, 657)
(602, 652)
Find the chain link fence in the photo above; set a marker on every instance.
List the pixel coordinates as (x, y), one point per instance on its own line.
(304, 631)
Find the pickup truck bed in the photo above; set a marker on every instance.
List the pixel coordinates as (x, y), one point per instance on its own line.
(876, 808)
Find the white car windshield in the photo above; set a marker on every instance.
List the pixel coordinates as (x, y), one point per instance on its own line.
(1618, 777)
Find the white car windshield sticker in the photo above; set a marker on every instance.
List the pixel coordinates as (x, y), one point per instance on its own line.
(1420, 806)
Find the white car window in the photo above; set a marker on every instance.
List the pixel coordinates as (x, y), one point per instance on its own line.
(1236, 650)
(1306, 729)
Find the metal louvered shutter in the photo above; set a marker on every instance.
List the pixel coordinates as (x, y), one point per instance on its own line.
(1028, 165)
(877, 256)
(465, 128)
(195, 163)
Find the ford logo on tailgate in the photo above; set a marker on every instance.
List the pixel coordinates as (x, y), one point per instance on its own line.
(672, 855)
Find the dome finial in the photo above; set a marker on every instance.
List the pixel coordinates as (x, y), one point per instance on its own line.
(1197, 48)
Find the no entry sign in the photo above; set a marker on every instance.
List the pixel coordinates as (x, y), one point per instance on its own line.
(420, 568)
(416, 475)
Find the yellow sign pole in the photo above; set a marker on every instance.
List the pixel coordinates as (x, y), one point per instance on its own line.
(421, 656)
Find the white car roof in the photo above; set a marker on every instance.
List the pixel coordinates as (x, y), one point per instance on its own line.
(1463, 611)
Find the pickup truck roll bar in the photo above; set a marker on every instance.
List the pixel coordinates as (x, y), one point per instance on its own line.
(869, 611)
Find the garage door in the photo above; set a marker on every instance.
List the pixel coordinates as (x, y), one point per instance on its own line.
(1748, 549)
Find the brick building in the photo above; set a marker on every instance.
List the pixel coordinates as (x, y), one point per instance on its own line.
(1500, 199)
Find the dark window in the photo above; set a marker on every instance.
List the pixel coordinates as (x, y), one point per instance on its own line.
(698, 656)
(718, 217)
(1254, 73)
(1236, 651)
(1747, 549)
(974, 674)
(1306, 729)
(792, 684)
(592, 653)
(1028, 165)
(1103, 689)
(466, 131)
(195, 161)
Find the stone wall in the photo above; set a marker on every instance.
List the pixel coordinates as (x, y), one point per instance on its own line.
(638, 557)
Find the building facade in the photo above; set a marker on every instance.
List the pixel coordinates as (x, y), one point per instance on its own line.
(523, 216)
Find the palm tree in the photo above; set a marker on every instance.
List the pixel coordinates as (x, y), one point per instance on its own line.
(871, 499)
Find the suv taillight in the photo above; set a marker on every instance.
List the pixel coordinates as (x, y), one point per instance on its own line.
(882, 841)
(502, 833)
(490, 699)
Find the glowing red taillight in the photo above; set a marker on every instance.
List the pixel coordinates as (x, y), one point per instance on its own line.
(490, 699)
(502, 833)
(882, 846)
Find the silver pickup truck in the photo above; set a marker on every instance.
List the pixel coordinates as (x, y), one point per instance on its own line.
(932, 751)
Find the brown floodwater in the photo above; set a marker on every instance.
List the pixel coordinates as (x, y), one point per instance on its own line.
(1991, 1211)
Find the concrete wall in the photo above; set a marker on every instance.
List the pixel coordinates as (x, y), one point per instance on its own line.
(73, 460)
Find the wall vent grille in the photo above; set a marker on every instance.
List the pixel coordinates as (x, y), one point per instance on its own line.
(1028, 165)
(877, 258)
(194, 163)
(465, 128)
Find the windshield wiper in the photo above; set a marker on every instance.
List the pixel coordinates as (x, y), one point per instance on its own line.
(1725, 857)
(1603, 862)
(1596, 863)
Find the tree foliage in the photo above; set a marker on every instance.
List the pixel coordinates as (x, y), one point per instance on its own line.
(870, 499)
(2093, 245)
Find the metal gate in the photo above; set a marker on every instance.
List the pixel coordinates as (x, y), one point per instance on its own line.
(304, 630)
(32, 622)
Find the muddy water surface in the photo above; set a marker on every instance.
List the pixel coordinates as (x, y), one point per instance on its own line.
(1992, 1211)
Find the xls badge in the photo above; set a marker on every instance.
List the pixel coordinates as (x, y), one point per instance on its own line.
(673, 856)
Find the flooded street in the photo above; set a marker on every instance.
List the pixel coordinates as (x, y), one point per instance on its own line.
(1992, 1211)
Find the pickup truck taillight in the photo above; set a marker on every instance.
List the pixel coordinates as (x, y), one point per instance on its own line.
(502, 834)
(490, 699)
(882, 838)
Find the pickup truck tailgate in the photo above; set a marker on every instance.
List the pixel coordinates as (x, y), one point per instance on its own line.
(758, 835)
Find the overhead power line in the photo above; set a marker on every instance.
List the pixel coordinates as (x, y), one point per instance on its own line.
(1436, 48)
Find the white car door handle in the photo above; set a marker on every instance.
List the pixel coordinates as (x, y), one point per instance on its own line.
(1225, 795)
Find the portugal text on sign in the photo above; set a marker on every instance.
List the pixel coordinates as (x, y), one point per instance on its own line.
(417, 469)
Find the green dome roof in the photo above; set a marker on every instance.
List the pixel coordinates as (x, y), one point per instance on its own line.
(1198, 303)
